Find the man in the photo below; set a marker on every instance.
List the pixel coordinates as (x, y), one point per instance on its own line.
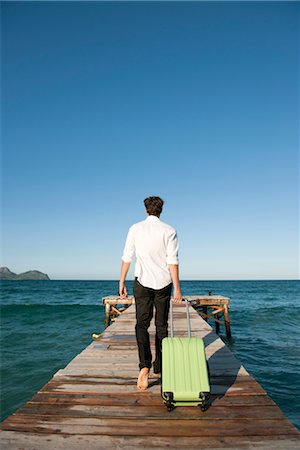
(156, 246)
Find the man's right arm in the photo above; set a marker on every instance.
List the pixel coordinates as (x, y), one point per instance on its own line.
(173, 265)
(174, 271)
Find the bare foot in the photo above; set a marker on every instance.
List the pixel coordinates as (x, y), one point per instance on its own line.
(142, 382)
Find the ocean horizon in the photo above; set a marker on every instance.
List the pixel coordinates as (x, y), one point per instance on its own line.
(46, 323)
(183, 279)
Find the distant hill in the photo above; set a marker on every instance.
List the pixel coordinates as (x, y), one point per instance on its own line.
(6, 274)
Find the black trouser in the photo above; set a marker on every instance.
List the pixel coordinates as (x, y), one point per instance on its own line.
(145, 298)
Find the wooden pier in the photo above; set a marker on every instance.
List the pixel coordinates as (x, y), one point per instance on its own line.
(93, 403)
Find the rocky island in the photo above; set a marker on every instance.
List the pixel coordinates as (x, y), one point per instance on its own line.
(6, 274)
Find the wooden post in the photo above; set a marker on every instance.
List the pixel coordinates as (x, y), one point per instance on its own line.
(217, 324)
(204, 309)
(107, 314)
(227, 321)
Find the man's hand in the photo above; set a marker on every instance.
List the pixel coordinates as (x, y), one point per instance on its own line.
(122, 286)
(122, 290)
(177, 296)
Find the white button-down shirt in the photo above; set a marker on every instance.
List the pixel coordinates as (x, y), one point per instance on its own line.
(155, 245)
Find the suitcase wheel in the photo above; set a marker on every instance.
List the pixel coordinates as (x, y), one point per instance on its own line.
(170, 407)
(168, 397)
(204, 396)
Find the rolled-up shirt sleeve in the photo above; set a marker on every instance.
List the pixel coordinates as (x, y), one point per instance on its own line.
(172, 248)
(129, 248)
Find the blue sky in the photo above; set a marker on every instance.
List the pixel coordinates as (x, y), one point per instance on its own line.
(104, 104)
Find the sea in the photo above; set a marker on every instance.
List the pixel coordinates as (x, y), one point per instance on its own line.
(44, 324)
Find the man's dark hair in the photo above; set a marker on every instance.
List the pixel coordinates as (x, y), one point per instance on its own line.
(154, 205)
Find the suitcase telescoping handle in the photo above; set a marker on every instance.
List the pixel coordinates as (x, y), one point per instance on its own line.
(187, 316)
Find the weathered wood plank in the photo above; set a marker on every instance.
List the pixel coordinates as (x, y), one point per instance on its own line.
(119, 388)
(136, 398)
(132, 372)
(150, 427)
(28, 441)
(154, 412)
(100, 379)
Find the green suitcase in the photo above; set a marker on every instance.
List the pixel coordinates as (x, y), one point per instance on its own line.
(185, 377)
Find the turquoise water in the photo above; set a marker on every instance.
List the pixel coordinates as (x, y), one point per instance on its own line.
(46, 323)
